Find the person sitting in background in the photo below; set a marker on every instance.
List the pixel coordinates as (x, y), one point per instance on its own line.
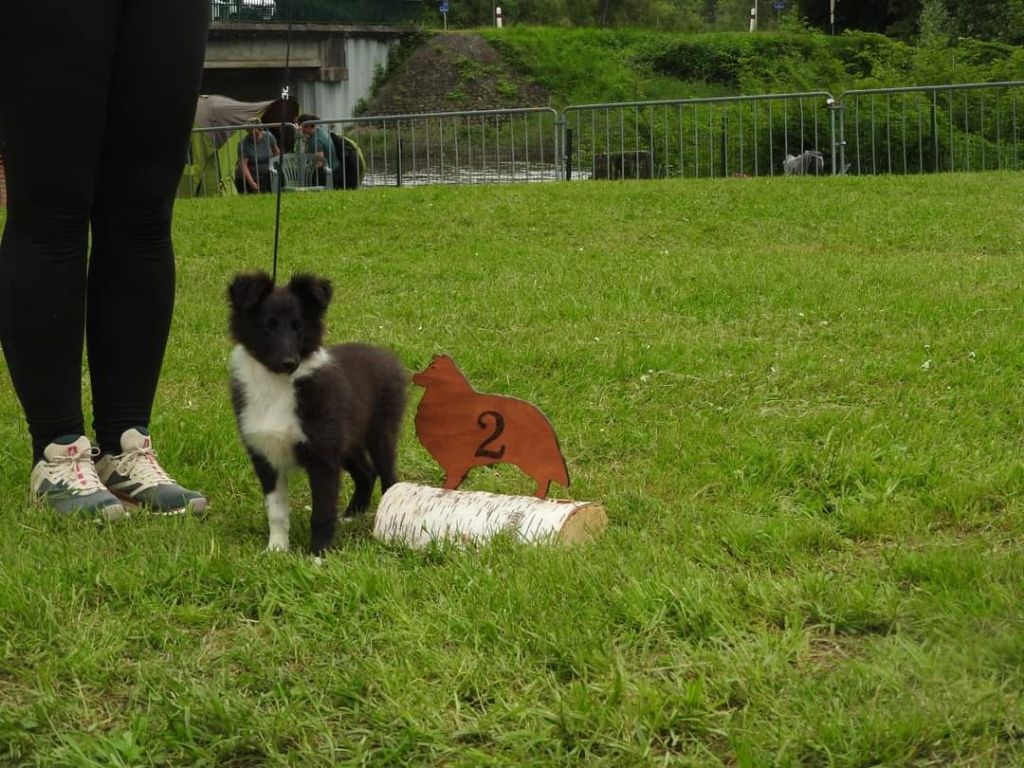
(318, 142)
(254, 154)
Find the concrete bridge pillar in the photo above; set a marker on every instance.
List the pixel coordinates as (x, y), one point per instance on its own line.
(331, 66)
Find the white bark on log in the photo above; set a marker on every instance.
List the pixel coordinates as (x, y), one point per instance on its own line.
(418, 514)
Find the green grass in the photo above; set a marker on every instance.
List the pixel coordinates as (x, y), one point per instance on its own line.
(589, 65)
(799, 400)
(580, 65)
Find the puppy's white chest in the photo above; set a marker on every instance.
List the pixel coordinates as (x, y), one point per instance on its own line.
(271, 427)
(268, 419)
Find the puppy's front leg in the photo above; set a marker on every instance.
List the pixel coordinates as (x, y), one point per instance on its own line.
(275, 491)
(324, 480)
(278, 515)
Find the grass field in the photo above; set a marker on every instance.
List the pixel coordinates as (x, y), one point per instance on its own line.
(800, 401)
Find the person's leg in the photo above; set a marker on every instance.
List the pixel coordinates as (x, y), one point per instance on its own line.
(154, 85)
(54, 70)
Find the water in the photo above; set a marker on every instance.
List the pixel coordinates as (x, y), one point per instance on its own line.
(521, 173)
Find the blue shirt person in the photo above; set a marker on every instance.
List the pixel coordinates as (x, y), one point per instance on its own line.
(318, 142)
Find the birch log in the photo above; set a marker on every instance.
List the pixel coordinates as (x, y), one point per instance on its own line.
(418, 514)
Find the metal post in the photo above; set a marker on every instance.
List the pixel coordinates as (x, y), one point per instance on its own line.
(832, 132)
(723, 148)
(836, 117)
(568, 154)
(398, 161)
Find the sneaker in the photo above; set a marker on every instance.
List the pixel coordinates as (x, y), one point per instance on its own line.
(136, 477)
(65, 480)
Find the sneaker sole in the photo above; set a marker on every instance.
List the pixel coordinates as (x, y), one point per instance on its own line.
(111, 513)
(194, 507)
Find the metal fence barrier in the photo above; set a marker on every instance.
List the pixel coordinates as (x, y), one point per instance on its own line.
(924, 129)
(475, 147)
(697, 138)
(930, 129)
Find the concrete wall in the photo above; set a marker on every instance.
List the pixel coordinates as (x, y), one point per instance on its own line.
(338, 99)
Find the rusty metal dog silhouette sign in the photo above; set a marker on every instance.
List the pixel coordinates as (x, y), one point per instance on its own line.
(463, 428)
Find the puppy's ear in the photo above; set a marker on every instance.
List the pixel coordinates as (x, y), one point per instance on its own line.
(247, 291)
(312, 291)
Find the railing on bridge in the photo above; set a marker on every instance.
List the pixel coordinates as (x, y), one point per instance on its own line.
(317, 11)
(927, 129)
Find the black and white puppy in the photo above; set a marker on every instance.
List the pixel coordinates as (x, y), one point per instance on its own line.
(300, 404)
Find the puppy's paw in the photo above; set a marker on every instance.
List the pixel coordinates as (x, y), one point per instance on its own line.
(277, 544)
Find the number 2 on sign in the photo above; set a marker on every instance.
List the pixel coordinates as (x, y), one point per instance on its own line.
(499, 427)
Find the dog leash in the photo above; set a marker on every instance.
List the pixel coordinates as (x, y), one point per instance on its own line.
(280, 168)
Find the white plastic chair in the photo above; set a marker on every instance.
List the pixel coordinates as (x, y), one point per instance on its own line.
(298, 173)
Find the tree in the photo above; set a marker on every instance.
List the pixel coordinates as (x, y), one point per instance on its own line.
(892, 17)
(998, 20)
(933, 24)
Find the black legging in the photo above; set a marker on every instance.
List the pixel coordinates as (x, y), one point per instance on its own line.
(96, 104)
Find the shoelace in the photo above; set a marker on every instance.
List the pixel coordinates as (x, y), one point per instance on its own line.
(141, 465)
(81, 467)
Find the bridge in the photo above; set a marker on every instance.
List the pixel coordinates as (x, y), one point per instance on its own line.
(331, 65)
